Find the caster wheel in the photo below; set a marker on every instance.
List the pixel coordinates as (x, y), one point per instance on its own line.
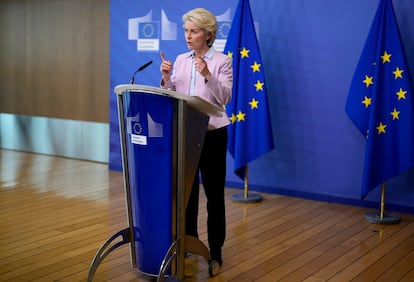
(213, 268)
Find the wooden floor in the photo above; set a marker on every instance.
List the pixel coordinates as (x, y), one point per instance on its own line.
(55, 213)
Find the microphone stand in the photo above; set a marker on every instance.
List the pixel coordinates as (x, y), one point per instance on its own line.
(138, 70)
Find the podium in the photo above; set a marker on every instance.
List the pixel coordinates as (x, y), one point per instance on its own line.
(162, 134)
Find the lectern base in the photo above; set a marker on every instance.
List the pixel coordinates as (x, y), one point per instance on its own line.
(387, 218)
(109, 245)
(171, 279)
(249, 198)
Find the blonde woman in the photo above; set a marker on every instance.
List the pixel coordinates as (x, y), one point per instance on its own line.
(207, 73)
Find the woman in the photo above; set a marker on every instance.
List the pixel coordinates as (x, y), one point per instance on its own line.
(207, 73)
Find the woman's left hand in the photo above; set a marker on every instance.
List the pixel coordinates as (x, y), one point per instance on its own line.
(201, 67)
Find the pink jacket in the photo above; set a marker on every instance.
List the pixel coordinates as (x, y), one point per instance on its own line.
(217, 90)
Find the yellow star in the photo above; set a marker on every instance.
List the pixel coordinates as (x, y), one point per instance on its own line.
(368, 80)
(386, 57)
(244, 53)
(395, 114)
(381, 128)
(259, 85)
(233, 118)
(254, 104)
(401, 94)
(398, 73)
(229, 54)
(255, 67)
(366, 101)
(240, 116)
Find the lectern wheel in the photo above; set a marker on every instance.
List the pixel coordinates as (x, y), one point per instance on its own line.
(213, 268)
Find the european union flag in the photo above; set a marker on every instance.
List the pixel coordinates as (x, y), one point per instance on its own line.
(223, 30)
(380, 102)
(250, 132)
(148, 30)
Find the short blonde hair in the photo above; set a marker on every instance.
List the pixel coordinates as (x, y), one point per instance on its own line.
(205, 20)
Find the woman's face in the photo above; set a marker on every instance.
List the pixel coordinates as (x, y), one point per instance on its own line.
(195, 37)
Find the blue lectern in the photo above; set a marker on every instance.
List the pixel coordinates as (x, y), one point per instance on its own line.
(162, 134)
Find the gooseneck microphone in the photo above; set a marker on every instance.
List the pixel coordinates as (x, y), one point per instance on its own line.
(138, 70)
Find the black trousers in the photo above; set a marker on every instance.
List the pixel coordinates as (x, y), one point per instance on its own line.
(212, 167)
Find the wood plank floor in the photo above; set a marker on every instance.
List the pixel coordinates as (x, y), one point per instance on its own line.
(55, 213)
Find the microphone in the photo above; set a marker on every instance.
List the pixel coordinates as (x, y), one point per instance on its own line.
(138, 70)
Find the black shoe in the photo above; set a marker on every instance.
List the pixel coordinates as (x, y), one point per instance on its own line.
(213, 268)
(216, 255)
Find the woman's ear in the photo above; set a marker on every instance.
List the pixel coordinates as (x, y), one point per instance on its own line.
(208, 36)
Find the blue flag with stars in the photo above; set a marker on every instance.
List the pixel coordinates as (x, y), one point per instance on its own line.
(250, 132)
(380, 102)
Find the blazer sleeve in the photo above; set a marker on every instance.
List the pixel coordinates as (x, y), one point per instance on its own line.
(218, 89)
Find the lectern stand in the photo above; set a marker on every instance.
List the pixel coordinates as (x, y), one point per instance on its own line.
(162, 135)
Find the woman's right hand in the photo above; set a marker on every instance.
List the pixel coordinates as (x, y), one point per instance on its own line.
(165, 68)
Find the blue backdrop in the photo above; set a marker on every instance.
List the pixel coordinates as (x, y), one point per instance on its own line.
(310, 50)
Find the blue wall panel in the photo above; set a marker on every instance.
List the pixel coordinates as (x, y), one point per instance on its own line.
(309, 50)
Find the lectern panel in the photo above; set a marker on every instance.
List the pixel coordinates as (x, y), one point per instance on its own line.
(149, 133)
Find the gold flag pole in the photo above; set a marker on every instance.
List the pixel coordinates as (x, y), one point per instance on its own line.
(382, 201)
(382, 217)
(246, 197)
(246, 184)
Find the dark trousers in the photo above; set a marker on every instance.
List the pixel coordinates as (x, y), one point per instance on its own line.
(212, 167)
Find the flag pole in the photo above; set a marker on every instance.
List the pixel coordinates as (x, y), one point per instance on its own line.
(245, 197)
(382, 200)
(382, 217)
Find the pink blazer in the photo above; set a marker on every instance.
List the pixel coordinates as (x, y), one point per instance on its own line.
(217, 90)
